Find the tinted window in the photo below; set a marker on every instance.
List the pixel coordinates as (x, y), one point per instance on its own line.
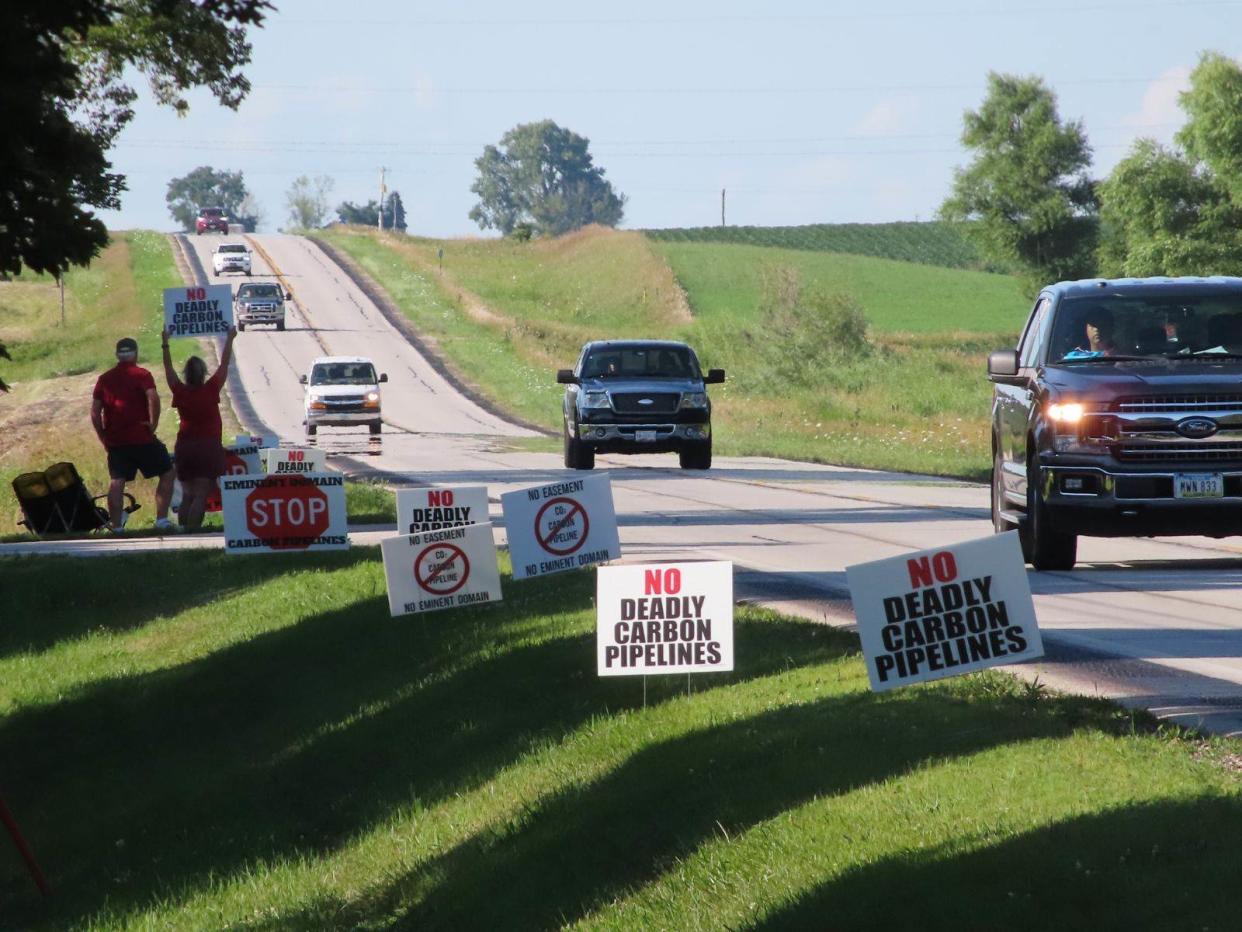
(1031, 341)
(258, 291)
(653, 362)
(1166, 324)
(343, 373)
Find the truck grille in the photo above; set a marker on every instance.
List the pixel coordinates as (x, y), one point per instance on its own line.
(1149, 452)
(344, 403)
(1178, 404)
(661, 402)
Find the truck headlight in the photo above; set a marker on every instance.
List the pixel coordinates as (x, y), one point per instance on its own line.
(371, 400)
(1069, 413)
(694, 400)
(595, 400)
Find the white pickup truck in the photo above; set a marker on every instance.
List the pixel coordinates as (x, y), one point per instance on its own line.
(231, 257)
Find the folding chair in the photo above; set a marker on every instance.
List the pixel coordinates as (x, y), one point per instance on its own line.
(56, 501)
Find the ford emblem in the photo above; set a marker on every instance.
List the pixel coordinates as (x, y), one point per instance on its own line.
(648, 401)
(1196, 428)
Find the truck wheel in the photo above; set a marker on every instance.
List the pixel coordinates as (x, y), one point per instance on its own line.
(280, 325)
(240, 326)
(999, 524)
(578, 455)
(376, 427)
(696, 456)
(1044, 547)
(311, 430)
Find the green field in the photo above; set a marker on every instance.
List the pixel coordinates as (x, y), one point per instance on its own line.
(928, 242)
(197, 741)
(506, 315)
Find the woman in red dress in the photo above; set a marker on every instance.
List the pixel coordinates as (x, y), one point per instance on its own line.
(199, 454)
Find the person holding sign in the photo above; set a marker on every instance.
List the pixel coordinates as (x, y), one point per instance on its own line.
(199, 452)
(125, 411)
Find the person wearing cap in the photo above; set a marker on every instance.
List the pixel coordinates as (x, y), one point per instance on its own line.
(125, 412)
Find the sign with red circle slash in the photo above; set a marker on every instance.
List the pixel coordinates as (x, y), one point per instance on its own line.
(561, 526)
(445, 568)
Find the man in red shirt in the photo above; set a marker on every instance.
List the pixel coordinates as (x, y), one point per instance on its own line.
(126, 412)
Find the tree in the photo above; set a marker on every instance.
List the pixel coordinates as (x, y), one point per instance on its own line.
(307, 199)
(207, 187)
(365, 215)
(64, 96)
(394, 212)
(542, 174)
(1026, 198)
(1213, 130)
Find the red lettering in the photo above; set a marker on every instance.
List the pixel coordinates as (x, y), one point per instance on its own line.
(920, 572)
(941, 567)
(442, 497)
(296, 456)
(660, 582)
(944, 565)
(196, 294)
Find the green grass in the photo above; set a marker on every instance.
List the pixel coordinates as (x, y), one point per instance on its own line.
(929, 242)
(198, 741)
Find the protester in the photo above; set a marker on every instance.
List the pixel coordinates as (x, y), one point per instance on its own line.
(125, 412)
(199, 453)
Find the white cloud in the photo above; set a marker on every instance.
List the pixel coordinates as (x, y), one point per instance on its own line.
(1159, 114)
(887, 118)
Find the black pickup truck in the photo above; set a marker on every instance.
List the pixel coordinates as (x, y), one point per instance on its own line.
(1120, 415)
(638, 396)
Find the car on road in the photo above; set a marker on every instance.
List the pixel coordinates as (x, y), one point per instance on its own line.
(1119, 414)
(231, 257)
(260, 303)
(637, 396)
(211, 218)
(342, 391)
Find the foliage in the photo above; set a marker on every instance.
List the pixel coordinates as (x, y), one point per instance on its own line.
(521, 233)
(927, 242)
(363, 214)
(1213, 130)
(307, 199)
(394, 212)
(542, 174)
(1027, 191)
(4, 354)
(63, 67)
(209, 187)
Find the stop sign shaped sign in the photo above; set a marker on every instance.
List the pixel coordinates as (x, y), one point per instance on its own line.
(287, 514)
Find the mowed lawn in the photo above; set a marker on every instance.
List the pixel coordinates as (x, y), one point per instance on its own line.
(197, 741)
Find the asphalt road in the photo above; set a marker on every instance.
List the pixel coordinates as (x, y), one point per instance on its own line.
(1154, 623)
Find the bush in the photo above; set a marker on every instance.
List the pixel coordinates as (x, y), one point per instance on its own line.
(522, 232)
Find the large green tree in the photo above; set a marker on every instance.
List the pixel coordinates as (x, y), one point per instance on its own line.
(543, 175)
(394, 212)
(307, 200)
(209, 187)
(1213, 130)
(65, 95)
(366, 215)
(1026, 198)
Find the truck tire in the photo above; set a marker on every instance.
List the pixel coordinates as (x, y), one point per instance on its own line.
(240, 326)
(311, 430)
(696, 456)
(999, 524)
(280, 325)
(578, 455)
(1044, 547)
(376, 427)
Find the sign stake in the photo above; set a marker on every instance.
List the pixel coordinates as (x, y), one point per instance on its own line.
(24, 849)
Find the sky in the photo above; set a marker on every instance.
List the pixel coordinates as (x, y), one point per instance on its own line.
(804, 112)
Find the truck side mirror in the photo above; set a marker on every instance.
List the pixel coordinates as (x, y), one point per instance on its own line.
(566, 377)
(288, 295)
(714, 377)
(302, 379)
(1002, 364)
(383, 376)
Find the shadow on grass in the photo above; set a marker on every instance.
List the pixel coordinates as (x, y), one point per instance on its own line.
(57, 599)
(1170, 864)
(287, 745)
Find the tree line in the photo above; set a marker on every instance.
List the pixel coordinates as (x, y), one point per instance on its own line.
(1027, 200)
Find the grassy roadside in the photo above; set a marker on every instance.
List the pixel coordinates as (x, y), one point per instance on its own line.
(253, 743)
(509, 314)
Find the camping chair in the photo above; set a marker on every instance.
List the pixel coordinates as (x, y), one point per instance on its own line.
(56, 501)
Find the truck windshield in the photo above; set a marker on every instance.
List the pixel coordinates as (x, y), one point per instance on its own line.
(343, 373)
(1165, 325)
(258, 291)
(648, 362)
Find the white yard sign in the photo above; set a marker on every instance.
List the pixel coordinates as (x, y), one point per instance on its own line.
(938, 613)
(271, 514)
(293, 460)
(441, 569)
(198, 310)
(242, 458)
(561, 526)
(664, 618)
(257, 440)
(433, 509)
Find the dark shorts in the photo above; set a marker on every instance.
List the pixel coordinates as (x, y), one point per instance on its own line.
(199, 458)
(150, 458)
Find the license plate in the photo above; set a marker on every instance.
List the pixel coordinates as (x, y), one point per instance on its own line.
(1199, 485)
(645, 436)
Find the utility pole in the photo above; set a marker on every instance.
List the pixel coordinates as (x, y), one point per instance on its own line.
(383, 191)
(60, 278)
(722, 206)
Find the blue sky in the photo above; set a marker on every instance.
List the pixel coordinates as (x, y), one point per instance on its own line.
(806, 112)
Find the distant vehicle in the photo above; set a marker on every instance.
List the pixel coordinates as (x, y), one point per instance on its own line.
(342, 391)
(231, 257)
(638, 396)
(1119, 415)
(211, 218)
(260, 303)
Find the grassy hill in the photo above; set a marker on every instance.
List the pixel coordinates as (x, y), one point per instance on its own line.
(912, 396)
(928, 242)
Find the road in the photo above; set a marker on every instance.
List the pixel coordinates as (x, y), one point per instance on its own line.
(1154, 623)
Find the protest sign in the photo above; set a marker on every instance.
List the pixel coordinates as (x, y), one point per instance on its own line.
(293, 460)
(430, 509)
(561, 526)
(199, 310)
(257, 440)
(447, 568)
(664, 618)
(937, 613)
(270, 513)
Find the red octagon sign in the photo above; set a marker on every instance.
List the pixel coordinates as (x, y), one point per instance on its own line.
(287, 514)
